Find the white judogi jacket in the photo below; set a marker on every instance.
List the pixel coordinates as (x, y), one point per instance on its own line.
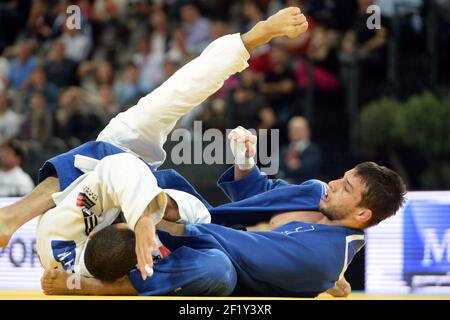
(118, 183)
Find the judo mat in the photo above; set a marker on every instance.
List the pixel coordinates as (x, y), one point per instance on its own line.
(37, 295)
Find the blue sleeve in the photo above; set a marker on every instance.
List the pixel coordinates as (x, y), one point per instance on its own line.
(254, 183)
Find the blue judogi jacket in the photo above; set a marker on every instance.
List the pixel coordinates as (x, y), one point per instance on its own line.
(297, 259)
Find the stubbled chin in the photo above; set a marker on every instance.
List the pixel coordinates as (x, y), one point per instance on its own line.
(321, 205)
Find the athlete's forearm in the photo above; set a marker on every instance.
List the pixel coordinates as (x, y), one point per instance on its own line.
(256, 37)
(92, 286)
(240, 174)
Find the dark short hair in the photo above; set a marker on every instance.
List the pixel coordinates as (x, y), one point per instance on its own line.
(16, 147)
(110, 254)
(385, 191)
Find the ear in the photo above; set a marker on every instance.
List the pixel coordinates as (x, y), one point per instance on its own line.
(364, 216)
(91, 235)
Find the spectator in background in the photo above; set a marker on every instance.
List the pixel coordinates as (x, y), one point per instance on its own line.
(60, 71)
(160, 37)
(323, 55)
(10, 121)
(77, 44)
(39, 21)
(76, 122)
(14, 182)
(245, 102)
(196, 28)
(59, 11)
(362, 42)
(366, 48)
(178, 50)
(37, 125)
(93, 75)
(407, 11)
(104, 103)
(339, 14)
(22, 66)
(279, 86)
(150, 64)
(130, 89)
(4, 73)
(300, 160)
(38, 83)
(13, 17)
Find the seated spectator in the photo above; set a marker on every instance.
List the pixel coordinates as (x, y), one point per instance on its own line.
(14, 182)
(367, 49)
(10, 121)
(22, 66)
(178, 50)
(4, 73)
(362, 42)
(150, 64)
(77, 44)
(76, 122)
(37, 124)
(160, 37)
(39, 21)
(279, 86)
(60, 71)
(93, 75)
(104, 103)
(38, 83)
(300, 160)
(322, 54)
(245, 101)
(130, 88)
(196, 27)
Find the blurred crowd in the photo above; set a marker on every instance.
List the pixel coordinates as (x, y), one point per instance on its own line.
(59, 86)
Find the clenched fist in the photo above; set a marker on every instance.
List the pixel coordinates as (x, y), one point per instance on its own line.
(243, 147)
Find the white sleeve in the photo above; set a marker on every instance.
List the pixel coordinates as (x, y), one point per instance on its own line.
(143, 129)
(127, 183)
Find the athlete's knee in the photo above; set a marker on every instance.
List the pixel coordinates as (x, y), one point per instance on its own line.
(220, 274)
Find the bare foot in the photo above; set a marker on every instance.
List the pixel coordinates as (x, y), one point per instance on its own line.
(59, 282)
(341, 289)
(290, 22)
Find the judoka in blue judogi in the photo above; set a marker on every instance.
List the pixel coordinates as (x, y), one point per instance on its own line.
(296, 259)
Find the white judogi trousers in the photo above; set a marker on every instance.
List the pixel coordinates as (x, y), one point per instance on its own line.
(123, 182)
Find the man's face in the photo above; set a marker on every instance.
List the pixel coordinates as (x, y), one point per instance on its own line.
(343, 197)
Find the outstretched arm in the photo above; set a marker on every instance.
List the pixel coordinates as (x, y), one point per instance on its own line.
(143, 129)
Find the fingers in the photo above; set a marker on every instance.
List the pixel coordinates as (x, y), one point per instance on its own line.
(293, 10)
(145, 260)
(144, 246)
(242, 135)
(299, 19)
